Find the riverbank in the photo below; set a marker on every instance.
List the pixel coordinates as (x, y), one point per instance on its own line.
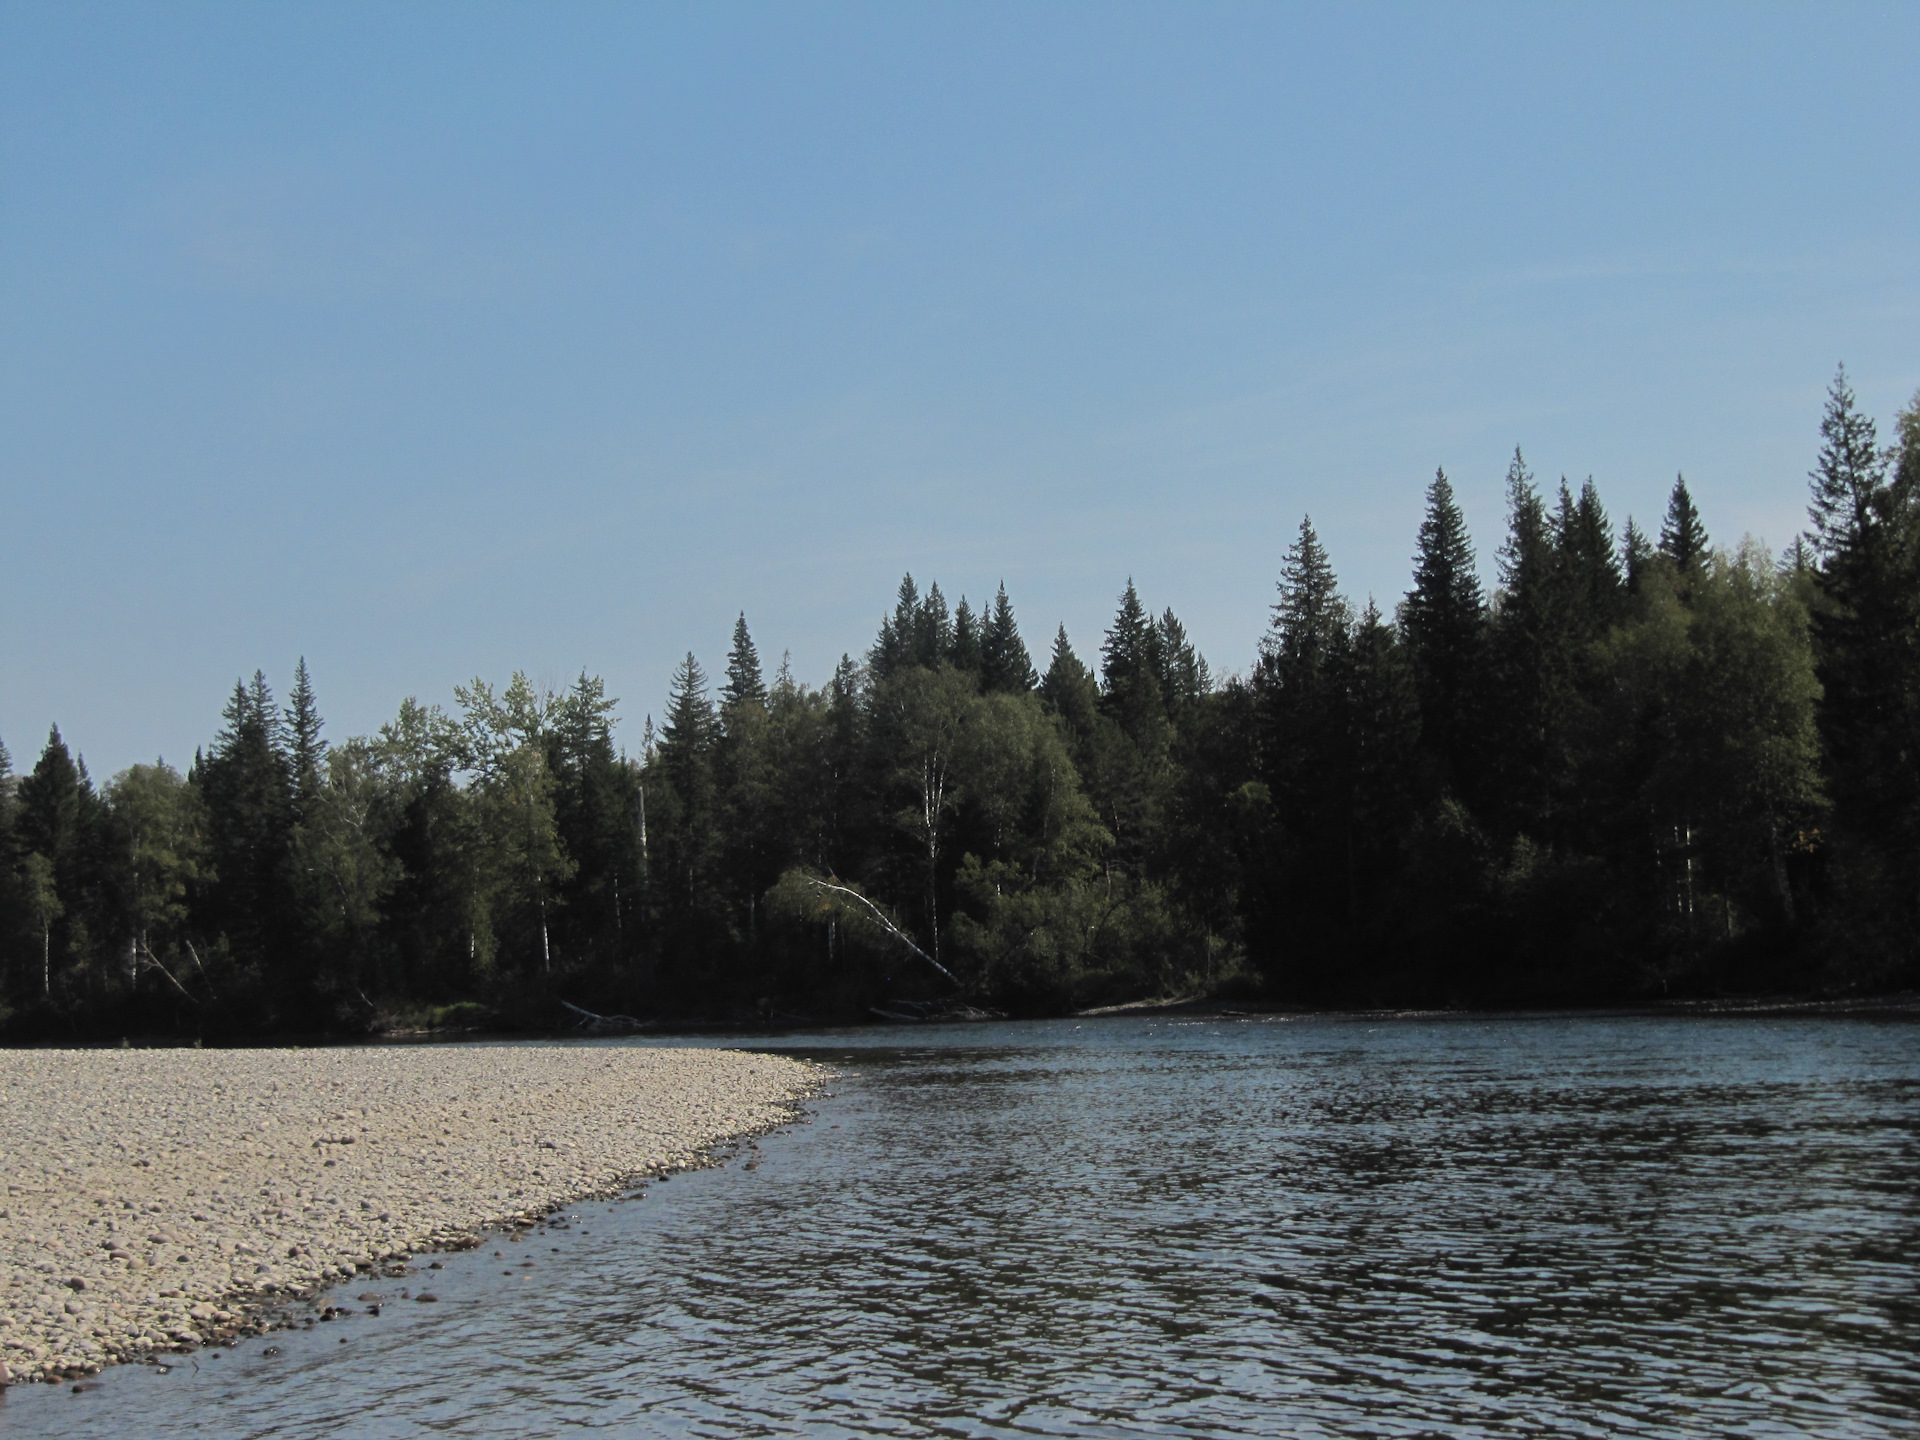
(162, 1199)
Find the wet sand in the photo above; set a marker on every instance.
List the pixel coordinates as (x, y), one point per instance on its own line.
(161, 1199)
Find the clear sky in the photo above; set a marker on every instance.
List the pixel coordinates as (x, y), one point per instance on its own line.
(438, 340)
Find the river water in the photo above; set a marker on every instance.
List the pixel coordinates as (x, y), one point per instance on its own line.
(1149, 1226)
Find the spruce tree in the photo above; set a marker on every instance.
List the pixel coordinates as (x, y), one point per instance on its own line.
(745, 784)
(1444, 620)
(933, 630)
(1183, 674)
(1297, 905)
(59, 820)
(1867, 632)
(49, 802)
(894, 649)
(1636, 553)
(686, 763)
(597, 820)
(1005, 664)
(1310, 620)
(1532, 660)
(1683, 539)
(1585, 542)
(1129, 666)
(744, 685)
(1380, 765)
(1069, 688)
(1124, 652)
(306, 750)
(246, 778)
(966, 651)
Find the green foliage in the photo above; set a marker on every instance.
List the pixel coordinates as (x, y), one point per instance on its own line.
(1633, 770)
(1683, 539)
(1444, 622)
(1866, 515)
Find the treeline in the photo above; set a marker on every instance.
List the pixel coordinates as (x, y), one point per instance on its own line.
(1640, 766)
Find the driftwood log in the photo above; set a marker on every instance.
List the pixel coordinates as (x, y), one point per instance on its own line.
(602, 1024)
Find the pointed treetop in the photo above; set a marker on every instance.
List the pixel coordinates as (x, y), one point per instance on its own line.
(744, 685)
(306, 748)
(1310, 618)
(1446, 578)
(1584, 538)
(1526, 555)
(1636, 552)
(1127, 651)
(965, 651)
(933, 630)
(691, 722)
(1183, 673)
(1682, 538)
(1063, 664)
(1848, 476)
(1005, 664)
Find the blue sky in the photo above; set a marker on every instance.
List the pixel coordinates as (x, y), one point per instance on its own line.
(438, 340)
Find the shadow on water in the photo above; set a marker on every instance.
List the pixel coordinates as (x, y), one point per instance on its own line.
(1263, 1226)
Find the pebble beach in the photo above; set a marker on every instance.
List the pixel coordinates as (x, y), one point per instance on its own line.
(161, 1199)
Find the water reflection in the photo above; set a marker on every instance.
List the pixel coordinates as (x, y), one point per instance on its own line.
(1128, 1227)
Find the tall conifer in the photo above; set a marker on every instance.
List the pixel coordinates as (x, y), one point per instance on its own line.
(744, 684)
(1005, 664)
(1444, 619)
(1867, 632)
(1683, 539)
(246, 778)
(306, 750)
(966, 653)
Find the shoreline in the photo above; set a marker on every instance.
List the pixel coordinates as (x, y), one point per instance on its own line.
(162, 1200)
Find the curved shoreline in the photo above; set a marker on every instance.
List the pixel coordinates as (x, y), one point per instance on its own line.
(160, 1200)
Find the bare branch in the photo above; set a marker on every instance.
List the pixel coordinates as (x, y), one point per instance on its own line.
(153, 963)
(891, 928)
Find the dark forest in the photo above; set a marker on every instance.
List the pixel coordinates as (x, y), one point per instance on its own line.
(1643, 766)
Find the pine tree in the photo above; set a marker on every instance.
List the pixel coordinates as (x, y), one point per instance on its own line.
(1005, 664)
(1683, 539)
(1444, 620)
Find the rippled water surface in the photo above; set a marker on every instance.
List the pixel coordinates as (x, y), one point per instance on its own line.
(1293, 1227)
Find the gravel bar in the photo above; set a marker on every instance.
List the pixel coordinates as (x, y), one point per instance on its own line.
(161, 1199)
